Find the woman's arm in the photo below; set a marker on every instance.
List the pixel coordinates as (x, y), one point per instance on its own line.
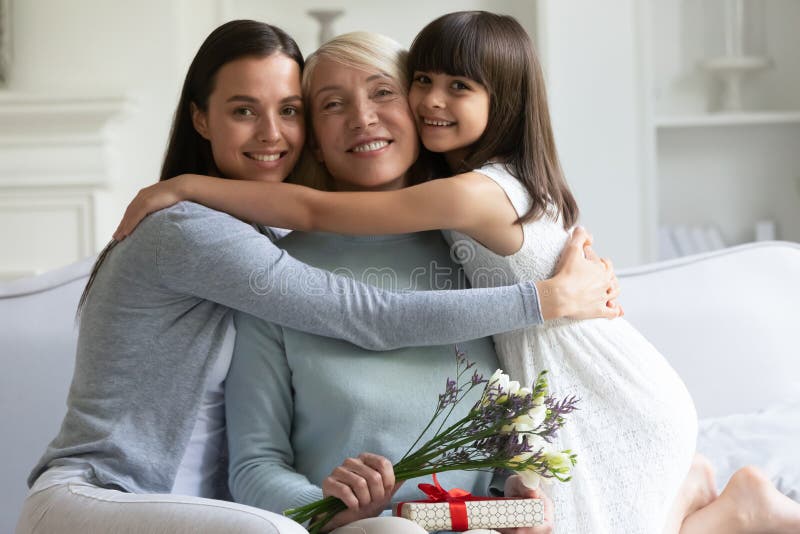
(461, 203)
(259, 409)
(211, 255)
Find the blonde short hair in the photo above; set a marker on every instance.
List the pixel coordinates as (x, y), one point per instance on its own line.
(360, 50)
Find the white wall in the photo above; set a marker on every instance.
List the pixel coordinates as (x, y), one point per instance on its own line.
(96, 48)
(141, 50)
(589, 52)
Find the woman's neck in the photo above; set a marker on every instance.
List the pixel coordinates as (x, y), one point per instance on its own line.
(393, 185)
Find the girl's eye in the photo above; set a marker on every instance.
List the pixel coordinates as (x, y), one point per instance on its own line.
(422, 79)
(459, 86)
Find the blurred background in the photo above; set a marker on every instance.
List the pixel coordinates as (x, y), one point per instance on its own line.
(677, 121)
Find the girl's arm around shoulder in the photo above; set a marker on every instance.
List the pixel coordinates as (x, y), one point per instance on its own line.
(281, 205)
(465, 203)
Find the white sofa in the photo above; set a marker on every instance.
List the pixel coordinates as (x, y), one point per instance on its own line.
(727, 321)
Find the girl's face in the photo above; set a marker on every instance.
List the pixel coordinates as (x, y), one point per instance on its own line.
(363, 128)
(254, 120)
(451, 112)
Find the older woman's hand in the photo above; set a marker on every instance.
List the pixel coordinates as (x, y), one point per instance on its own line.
(515, 488)
(365, 484)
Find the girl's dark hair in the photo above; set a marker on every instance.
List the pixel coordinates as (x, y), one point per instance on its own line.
(187, 151)
(495, 51)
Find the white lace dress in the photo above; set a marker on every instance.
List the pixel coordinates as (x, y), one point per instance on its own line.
(636, 426)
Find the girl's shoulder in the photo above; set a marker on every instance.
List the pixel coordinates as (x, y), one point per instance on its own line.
(500, 174)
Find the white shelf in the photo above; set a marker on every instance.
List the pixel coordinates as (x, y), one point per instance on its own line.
(727, 119)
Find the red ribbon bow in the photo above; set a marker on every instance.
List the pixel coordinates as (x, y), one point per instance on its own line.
(456, 497)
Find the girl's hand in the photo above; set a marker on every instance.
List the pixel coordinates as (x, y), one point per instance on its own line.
(584, 286)
(150, 199)
(515, 488)
(365, 484)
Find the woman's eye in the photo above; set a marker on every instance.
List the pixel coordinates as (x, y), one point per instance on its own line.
(290, 111)
(244, 112)
(329, 106)
(384, 92)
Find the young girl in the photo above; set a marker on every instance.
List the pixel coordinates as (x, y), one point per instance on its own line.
(479, 100)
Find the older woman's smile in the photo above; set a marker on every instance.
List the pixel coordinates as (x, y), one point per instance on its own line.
(370, 147)
(363, 127)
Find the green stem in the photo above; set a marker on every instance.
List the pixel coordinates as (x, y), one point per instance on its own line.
(435, 415)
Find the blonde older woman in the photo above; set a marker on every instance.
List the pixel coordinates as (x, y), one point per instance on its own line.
(297, 403)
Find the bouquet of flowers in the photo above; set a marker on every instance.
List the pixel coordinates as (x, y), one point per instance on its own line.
(509, 427)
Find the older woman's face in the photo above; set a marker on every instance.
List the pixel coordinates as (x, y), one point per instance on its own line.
(363, 128)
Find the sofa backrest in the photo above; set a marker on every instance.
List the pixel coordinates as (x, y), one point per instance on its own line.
(37, 355)
(726, 321)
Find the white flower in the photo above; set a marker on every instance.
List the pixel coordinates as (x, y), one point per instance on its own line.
(522, 423)
(524, 392)
(558, 462)
(527, 422)
(537, 415)
(513, 388)
(498, 384)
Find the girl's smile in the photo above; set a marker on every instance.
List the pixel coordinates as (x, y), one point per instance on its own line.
(451, 112)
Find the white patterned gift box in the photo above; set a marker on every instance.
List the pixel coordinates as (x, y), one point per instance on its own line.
(480, 513)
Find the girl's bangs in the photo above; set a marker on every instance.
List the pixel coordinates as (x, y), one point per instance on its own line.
(451, 49)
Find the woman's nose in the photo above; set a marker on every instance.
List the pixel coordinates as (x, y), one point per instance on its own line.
(268, 131)
(363, 115)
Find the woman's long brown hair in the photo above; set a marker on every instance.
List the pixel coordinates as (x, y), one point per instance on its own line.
(187, 151)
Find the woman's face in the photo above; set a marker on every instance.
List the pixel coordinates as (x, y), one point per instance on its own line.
(363, 128)
(254, 119)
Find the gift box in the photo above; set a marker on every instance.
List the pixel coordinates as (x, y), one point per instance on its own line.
(458, 510)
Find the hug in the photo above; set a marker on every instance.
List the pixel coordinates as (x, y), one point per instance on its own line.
(208, 334)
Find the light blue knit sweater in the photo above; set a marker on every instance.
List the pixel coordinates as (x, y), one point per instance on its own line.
(298, 404)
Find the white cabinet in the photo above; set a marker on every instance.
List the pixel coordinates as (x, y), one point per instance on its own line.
(56, 166)
(722, 170)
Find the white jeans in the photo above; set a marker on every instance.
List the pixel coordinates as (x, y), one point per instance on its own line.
(86, 509)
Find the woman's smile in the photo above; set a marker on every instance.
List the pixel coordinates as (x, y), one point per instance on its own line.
(370, 147)
(254, 119)
(363, 128)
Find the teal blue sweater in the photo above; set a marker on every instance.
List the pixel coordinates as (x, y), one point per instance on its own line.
(299, 404)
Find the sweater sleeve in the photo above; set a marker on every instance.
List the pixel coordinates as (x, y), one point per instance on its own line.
(259, 412)
(216, 257)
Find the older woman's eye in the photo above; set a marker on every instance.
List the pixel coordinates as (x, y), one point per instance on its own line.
(384, 91)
